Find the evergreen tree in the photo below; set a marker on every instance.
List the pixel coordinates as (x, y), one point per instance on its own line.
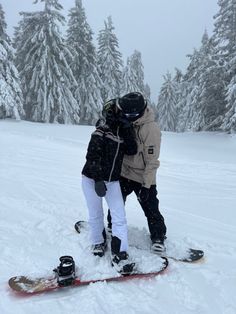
(191, 93)
(133, 77)
(127, 85)
(42, 55)
(133, 74)
(109, 61)
(167, 101)
(207, 96)
(180, 100)
(201, 99)
(178, 75)
(147, 93)
(229, 123)
(25, 30)
(147, 96)
(11, 105)
(224, 33)
(182, 109)
(212, 86)
(84, 65)
(225, 41)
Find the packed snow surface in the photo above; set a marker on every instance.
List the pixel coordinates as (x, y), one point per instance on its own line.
(41, 199)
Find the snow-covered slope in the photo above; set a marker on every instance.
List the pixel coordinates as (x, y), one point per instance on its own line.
(41, 199)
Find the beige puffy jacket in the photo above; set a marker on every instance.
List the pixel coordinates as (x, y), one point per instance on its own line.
(142, 167)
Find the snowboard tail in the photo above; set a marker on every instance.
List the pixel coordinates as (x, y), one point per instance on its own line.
(190, 256)
(30, 286)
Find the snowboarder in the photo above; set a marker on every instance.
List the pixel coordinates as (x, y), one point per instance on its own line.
(113, 137)
(139, 171)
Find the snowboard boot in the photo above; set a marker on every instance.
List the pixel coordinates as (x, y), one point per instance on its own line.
(120, 259)
(158, 246)
(122, 264)
(65, 272)
(99, 249)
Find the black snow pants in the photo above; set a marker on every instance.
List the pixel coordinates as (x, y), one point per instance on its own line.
(156, 223)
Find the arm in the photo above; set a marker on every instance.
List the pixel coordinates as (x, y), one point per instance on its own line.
(128, 134)
(130, 143)
(151, 137)
(95, 154)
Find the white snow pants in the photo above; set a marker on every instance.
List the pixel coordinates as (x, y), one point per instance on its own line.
(115, 203)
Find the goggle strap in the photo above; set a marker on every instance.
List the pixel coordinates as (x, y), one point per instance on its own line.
(117, 104)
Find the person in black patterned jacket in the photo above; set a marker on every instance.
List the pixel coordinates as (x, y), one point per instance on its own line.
(114, 136)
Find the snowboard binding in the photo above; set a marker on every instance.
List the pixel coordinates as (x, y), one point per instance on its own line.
(65, 272)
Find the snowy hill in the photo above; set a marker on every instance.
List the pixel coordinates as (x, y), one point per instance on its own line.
(41, 199)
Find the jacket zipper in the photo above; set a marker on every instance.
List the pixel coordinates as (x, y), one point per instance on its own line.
(114, 161)
(141, 153)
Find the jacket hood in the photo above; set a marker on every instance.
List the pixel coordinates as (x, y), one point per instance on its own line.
(147, 117)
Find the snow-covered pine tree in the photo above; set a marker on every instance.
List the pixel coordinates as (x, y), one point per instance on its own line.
(147, 93)
(166, 107)
(84, 65)
(11, 105)
(133, 77)
(25, 29)
(147, 96)
(205, 90)
(224, 36)
(180, 100)
(127, 84)
(224, 33)
(192, 110)
(229, 123)
(109, 61)
(212, 85)
(133, 74)
(201, 100)
(42, 55)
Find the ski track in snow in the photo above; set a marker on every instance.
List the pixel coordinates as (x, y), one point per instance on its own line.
(41, 199)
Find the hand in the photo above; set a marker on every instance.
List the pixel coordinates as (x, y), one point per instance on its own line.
(126, 128)
(100, 188)
(143, 194)
(124, 123)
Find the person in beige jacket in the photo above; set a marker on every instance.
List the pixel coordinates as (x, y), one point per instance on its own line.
(138, 173)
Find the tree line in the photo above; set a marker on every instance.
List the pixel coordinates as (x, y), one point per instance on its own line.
(204, 97)
(46, 76)
(49, 77)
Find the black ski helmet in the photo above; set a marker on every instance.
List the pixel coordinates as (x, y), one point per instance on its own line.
(132, 105)
(111, 111)
(109, 108)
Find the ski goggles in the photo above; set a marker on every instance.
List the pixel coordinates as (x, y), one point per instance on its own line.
(131, 115)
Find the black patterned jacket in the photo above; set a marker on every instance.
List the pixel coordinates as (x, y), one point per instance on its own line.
(106, 150)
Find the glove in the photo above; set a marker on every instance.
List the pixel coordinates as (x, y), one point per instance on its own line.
(124, 123)
(100, 188)
(126, 129)
(143, 194)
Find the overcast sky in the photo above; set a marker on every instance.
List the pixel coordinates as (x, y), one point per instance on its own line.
(164, 31)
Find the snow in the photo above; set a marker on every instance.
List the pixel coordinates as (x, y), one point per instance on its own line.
(41, 199)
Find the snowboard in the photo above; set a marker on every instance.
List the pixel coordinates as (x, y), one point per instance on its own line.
(189, 255)
(26, 285)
